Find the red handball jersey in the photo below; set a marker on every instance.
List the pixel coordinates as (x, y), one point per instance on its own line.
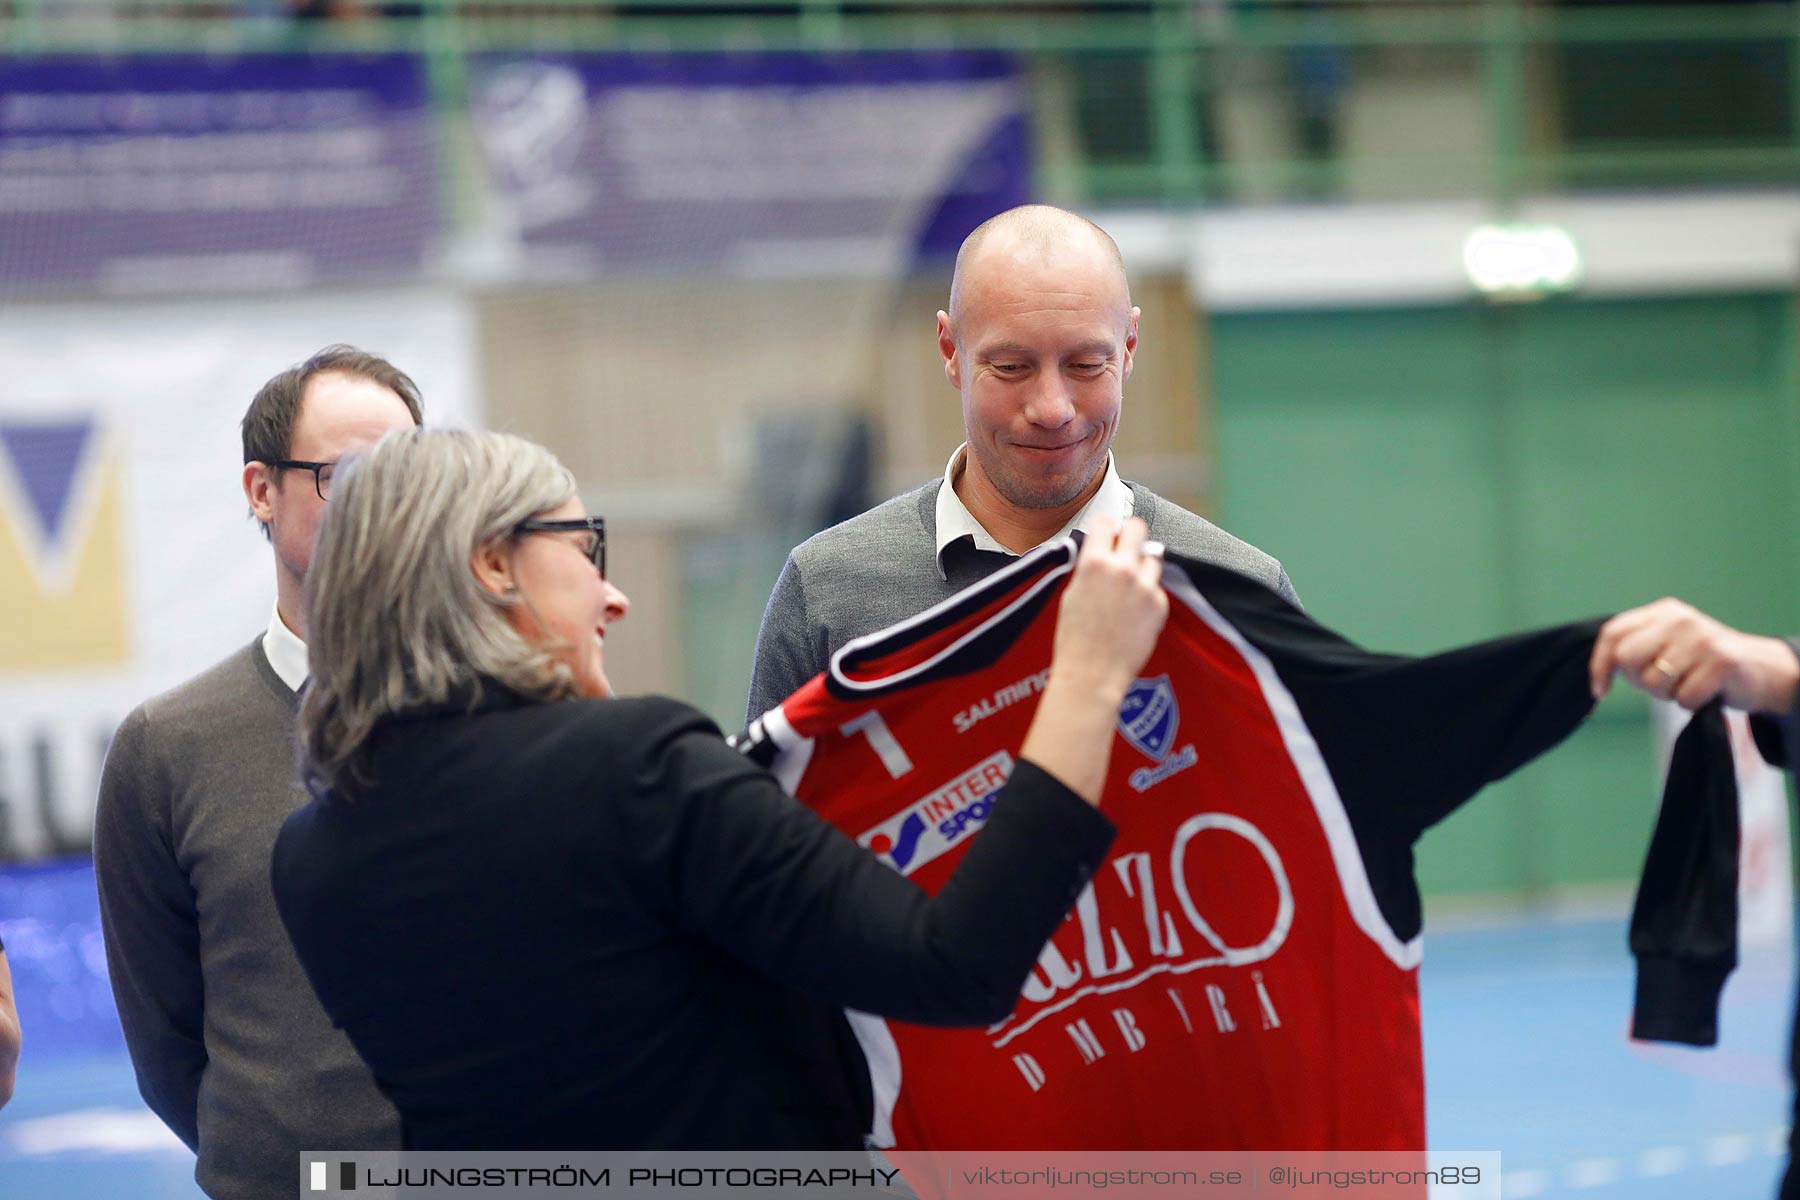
(1242, 973)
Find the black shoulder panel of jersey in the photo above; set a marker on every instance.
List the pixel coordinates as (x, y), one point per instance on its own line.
(1409, 740)
(1017, 592)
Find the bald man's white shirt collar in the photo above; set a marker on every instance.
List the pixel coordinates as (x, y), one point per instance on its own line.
(286, 652)
(954, 520)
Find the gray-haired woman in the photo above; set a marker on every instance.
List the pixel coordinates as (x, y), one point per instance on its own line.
(551, 919)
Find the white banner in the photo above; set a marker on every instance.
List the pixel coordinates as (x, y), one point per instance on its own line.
(128, 559)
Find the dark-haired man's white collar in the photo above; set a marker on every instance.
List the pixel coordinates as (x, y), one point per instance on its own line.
(286, 652)
(955, 521)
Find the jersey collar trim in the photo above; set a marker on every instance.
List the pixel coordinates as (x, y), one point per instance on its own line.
(955, 521)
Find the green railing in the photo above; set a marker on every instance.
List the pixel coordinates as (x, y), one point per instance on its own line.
(1150, 84)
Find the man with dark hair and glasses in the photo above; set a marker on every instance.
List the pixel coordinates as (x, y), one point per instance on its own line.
(230, 1046)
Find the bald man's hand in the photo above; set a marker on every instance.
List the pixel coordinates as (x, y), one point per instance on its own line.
(1673, 651)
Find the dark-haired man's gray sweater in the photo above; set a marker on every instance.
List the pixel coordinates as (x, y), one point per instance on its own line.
(884, 566)
(231, 1047)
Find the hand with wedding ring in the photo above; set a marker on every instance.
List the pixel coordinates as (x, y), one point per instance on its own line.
(1113, 610)
(1673, 651)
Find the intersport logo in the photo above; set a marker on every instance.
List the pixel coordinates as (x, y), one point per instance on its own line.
(934, 824)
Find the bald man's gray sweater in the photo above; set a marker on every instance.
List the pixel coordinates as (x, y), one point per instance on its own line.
(881, 567)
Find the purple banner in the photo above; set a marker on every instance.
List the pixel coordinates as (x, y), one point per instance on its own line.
(176, 173)
(754, 163)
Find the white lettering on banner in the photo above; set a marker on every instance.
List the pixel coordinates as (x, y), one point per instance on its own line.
(1001, 700)
(891, 143)
(1057, 983)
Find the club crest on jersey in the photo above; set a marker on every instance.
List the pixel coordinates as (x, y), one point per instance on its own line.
(935, 824)
(1149, 717)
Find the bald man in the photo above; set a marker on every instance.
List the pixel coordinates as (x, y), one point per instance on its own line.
(1038, 340)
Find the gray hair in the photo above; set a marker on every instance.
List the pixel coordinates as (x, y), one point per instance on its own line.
(396, 618)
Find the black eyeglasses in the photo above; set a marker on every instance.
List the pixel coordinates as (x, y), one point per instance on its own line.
(321, 472)
(596, 526)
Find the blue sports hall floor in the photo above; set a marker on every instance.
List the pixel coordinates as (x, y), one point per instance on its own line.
(1525, 1052)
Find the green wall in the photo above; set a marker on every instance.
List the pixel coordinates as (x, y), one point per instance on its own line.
(725, 585)
(1435, 476)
